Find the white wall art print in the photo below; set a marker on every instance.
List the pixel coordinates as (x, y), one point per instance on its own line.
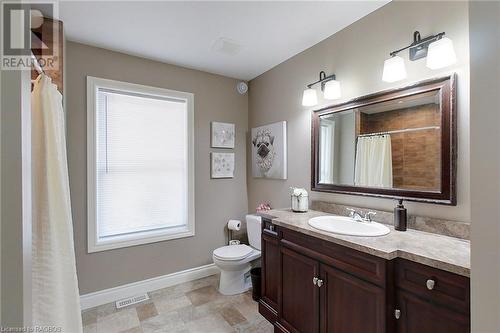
(222, 165)
(269, 151)
(223, 135)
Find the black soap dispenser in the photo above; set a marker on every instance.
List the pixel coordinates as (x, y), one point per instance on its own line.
(400, 217)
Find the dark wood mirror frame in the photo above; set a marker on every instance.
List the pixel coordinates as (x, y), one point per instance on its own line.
(446, 87)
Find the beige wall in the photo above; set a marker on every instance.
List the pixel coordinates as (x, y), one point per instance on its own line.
(485, 164)
(216, 99)
(356, 55)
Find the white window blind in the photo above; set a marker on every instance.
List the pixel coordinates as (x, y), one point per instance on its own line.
(141, 166)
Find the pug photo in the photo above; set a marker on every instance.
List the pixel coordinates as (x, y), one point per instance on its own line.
(269, 151)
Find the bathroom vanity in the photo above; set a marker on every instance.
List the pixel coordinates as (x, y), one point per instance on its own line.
(315, 281)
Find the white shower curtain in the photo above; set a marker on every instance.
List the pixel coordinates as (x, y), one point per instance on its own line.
(374, 161)
(55, 289)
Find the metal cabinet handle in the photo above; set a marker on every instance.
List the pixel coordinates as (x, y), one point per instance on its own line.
(397, 313)
(319, 283)
(271, 228)
(315, 280)
(430, 284)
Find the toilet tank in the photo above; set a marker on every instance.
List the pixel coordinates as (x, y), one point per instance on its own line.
(254, 230)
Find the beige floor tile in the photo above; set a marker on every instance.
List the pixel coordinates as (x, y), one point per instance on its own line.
(232, 315)
(168, 322)
(133, 330)
(118, 322)
(170, 292)
(191, 307)
(89, 317)
(165, 305)
(191, 313)
(145, 311)
(92, 328)
(106, 309)
(196, 284)
(258, 325)
(202, 295)
(247, 307)
(213, 324)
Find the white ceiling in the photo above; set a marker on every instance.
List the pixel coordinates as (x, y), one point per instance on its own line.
(236, 39)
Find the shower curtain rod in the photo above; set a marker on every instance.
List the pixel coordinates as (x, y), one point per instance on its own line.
(401, 131)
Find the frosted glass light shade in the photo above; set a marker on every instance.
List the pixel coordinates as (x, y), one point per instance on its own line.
(394, 69)
(309, 97)
(332, 90)
(441, 53)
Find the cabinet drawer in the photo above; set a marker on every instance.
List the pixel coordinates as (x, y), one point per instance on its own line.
(434, 285)
(354, 262)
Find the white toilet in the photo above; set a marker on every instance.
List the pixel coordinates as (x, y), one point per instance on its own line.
(234, 260)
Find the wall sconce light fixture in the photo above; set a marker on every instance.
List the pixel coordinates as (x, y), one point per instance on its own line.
(329, 86)
(437, 48)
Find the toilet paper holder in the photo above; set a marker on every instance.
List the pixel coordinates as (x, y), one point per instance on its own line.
(233, 225)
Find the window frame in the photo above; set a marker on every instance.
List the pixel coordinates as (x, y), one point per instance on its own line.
(94, 244)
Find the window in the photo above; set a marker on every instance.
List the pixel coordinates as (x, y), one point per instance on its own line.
(139, 164)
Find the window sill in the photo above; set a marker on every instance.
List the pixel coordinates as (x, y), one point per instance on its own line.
(117, 242)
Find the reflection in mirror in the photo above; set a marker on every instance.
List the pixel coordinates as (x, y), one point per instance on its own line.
(394, 144)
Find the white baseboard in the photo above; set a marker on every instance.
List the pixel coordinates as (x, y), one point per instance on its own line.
(105, 296)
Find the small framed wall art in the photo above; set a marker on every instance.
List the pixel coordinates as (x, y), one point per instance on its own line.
(222, 165)
(269, 151)
(222, 135)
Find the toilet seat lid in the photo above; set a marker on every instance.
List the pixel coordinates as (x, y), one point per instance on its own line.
(233, 252)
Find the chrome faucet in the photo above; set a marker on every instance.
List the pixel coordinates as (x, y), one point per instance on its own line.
(368, 216)
(357, 216)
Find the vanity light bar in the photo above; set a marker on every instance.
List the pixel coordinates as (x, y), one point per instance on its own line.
(438, 49)
(419, 47)
(322, 79)
(329, 86)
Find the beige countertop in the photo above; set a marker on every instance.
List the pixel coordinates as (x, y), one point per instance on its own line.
(442, 252)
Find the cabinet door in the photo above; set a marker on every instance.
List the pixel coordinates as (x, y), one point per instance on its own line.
(270, 270)
(299, 296)
(349, 304)
(419, 316)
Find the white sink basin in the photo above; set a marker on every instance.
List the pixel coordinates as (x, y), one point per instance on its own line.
(347, 226)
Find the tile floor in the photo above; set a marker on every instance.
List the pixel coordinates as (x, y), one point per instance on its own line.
(191, 307)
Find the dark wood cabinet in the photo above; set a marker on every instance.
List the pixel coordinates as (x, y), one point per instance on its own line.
(270, 270)
(349, 304)
(435, 285)
(299, 301)
(311, 285)
(418, 315)
(430, 300)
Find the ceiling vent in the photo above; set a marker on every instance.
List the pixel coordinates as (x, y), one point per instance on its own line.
(226, 46)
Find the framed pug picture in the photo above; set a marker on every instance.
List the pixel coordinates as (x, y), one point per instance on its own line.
(269, 158)
(222, 165)
(222, 135)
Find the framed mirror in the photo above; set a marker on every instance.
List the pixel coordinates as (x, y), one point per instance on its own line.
(399, 144)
